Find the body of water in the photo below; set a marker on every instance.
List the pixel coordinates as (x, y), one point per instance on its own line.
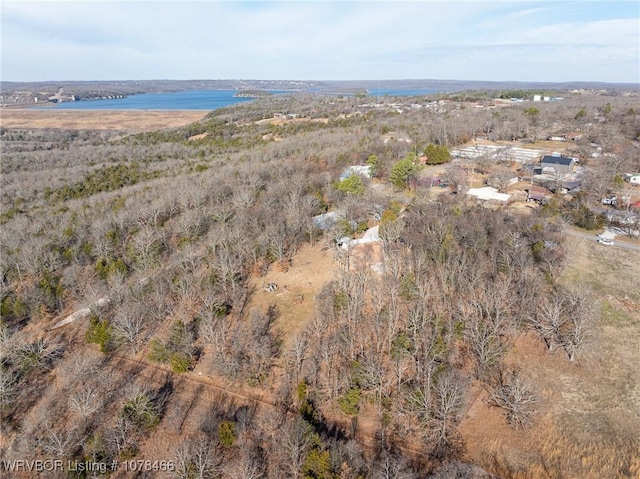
(386, 92)
(194, 100)
(181, 100)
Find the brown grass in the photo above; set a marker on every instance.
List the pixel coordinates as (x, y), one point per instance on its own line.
(311, 269)
(134, 121)
(589, 416)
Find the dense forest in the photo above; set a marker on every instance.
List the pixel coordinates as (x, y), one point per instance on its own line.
(165, 239)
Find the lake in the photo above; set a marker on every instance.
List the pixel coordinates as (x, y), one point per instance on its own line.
(181, 100)
(387, 92)
(194, 100)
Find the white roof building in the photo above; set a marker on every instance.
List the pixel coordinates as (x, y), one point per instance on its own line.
(488, 193)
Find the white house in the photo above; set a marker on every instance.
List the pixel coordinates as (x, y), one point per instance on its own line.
(635, 179)
(363, 171)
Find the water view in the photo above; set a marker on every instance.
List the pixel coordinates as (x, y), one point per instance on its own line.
(196, 100)
(181, 100)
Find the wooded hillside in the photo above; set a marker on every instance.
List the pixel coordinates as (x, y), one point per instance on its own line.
(209, 340)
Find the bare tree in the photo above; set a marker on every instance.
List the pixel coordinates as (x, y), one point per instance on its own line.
(449, 393)
(86, 401)
(128, 327)
(198, 458)
(297, 443)
(123, 436)
(515, 396)
(564, 320)
(58, 443)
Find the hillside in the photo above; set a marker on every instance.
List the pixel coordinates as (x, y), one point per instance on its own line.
(211, 299)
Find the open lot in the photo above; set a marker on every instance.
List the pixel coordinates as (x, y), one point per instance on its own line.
(134, 121)
(590, 411)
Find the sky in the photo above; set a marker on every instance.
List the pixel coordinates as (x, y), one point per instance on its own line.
(554, 41)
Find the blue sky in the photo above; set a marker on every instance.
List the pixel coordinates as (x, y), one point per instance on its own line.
(321, 40)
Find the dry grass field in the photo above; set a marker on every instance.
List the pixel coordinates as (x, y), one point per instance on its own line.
(133, 121)
(590, 411)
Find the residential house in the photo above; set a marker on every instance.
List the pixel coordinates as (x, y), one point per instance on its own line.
(364, 171)
(557, 164)
(570, 187)
(538, 194)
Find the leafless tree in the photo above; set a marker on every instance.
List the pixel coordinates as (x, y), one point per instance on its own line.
(515, 396)
(244, 466)
(449, 398)
(85, 401)
(128, 327)
(298, 354)
(392, 466)
(8, 386)
(297, 443)
(197, 458)
(58, 443)
(122, 436)
(564, 320)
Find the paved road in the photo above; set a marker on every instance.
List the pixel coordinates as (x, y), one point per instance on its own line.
(593, 237)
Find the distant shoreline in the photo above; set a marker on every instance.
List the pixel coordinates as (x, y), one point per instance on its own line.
(21, 94)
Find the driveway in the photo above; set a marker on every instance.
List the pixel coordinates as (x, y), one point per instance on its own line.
(592, 237)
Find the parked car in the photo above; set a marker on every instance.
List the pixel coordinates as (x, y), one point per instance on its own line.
(605, 241)
(610, 200)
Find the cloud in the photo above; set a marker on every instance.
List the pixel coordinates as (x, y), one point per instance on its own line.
(317, 40)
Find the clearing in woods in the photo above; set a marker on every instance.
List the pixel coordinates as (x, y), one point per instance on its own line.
(295, 299)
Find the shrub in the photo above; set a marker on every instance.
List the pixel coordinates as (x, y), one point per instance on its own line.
(353, 185)
(402, 171)
(318, 465)
(348, 402)
(141, 411)
(158, 352)
(108, 267)
(372, 161)
(180, 362)
(100, 332)
(227, 433)
(52, 289)
(437, 154)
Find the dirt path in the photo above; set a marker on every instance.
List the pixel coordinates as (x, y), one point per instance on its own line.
(208, 389)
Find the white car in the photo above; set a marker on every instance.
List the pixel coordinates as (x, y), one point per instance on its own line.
(605, 241)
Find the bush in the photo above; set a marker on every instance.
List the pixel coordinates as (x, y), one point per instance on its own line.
(437, 154)
(318, 465)
(180, 362)
(583, 217)
(108, 267)
(348, 402)
(158, 352)
(353, 185)
(402, 171)
(52, 289)
(372, 161)
(227, 433)
(100, 332)
(141, 411)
